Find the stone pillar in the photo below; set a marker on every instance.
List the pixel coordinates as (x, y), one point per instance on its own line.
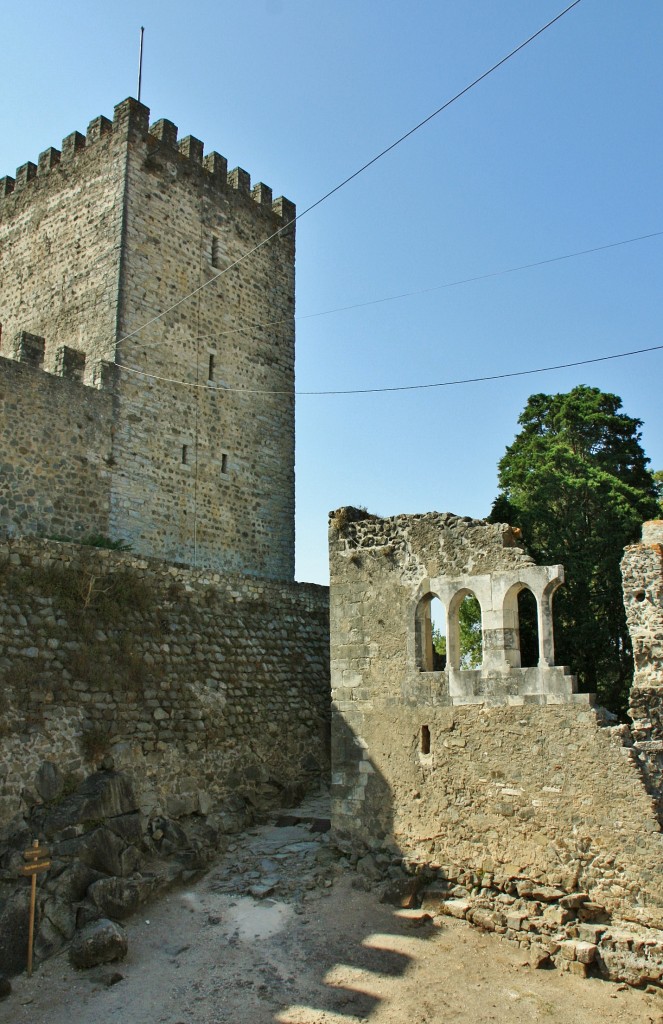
(545, 624)
(642, 576)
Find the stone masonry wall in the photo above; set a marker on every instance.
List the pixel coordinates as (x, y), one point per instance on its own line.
(196, 684)
(55, 453)
(642, 575)
(214, 485)
(99, 239)
(511, 790)
(60, 236)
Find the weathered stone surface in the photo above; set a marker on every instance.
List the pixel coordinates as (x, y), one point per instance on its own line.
(573, 900)
(14, 931)
(259, 669)
(102, 795)
(503, 775)
(586, 952)
(642, 574)
(102, 942)
(488, 920)
(49, 781)
(455, 908)
(403, 893)
(368, 866)
(538, 957)
(99, 849)
(119, 897)
(71, 885)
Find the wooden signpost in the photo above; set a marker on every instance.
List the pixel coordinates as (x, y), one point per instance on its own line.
(35, 863)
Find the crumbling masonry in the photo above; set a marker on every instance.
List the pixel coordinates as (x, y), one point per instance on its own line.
(532, 815)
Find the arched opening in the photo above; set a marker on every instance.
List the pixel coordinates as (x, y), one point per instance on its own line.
(521, 622)
(528, 628)
(430, 629)
(438, 618)
(465, 639)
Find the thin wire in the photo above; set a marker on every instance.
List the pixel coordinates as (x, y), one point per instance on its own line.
(406, 387)
(432, 288)
(352, 176)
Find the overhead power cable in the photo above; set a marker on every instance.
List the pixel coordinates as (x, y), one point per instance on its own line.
(405, 387)
(355, 174)
(249, 326)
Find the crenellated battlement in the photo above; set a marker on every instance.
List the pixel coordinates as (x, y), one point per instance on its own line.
(68, 363)
(131, 118)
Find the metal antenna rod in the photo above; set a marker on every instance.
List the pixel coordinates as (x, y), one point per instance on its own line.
(140, 61)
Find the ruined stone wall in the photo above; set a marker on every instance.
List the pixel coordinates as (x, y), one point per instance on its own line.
(506, 786)
(642, 575)
(108, 235)
(196, 684)
(56, 449)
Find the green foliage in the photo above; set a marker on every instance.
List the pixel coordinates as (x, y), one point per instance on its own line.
(439, 643)
(93, 540)
(469, 623)
(575, 480)
(658, 484)
(99, 540)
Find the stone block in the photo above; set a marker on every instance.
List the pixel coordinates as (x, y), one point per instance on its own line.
(586, 952)
(102, 942)
(456, 908)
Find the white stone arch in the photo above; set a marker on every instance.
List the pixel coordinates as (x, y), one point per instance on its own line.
(542, 581)
(423, 632)
(453, 626)
(546, 628)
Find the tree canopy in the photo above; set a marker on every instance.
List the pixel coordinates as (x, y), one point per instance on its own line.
(575, 480)
(658, 484)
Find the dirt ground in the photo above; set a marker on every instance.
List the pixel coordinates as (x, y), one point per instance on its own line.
(276, 933)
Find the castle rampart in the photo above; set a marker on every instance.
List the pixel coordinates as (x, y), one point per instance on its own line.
(56, 459)
(200, 685)
(97, 240)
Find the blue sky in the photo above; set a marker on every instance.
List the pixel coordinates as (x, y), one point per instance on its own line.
(558, 151)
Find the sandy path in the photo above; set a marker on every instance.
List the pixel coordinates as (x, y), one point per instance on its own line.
(310, 953)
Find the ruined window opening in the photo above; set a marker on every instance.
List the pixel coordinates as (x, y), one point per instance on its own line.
(210, 369)
(465, 634)
(216, 252)
(528, 629)
(224, 463)
(425, 739)
(438, 620)
(185, 454)
(430, 629)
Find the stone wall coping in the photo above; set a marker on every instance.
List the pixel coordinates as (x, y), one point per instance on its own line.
(33, 552)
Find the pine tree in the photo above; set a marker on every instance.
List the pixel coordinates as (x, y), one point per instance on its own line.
(575, 480)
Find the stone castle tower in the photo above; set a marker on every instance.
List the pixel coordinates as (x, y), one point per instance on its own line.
(173, 431)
